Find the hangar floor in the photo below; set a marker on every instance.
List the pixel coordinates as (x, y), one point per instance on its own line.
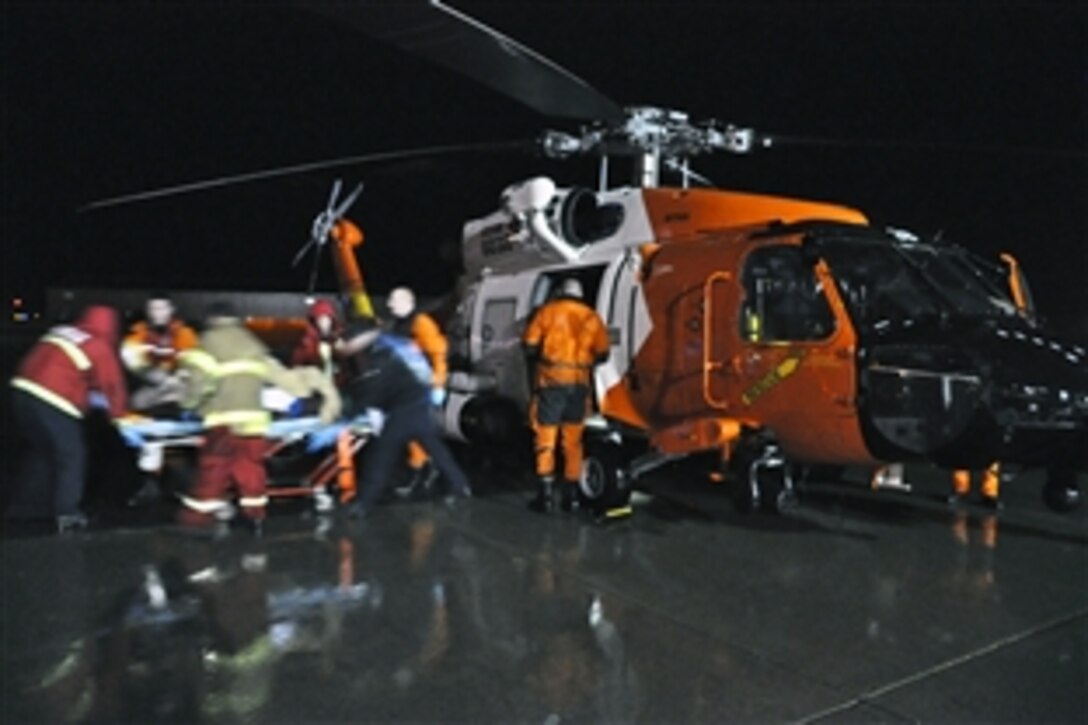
(853, 607)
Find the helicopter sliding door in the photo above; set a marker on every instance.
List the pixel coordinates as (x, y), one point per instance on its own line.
(621, 303)
(498, 319)
(798, 375)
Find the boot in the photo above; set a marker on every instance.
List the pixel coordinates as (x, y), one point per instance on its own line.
(255, 526)
(67, 523)
(545, 500)
(568, 497)
(421, 483)
(148, 494)
(357, 511)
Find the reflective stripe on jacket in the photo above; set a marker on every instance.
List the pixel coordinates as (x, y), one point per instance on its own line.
(70, 361)
(226, 375)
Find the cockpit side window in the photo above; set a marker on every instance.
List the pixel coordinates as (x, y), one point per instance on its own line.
(548, 282)
(783, 300)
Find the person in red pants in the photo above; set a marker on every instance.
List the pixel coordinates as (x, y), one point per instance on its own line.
(225, 375)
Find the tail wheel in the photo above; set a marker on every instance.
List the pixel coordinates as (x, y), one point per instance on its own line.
(603, 484)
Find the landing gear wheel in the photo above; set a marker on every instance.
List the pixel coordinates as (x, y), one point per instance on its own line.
(762, 480)
(1061, 492)
(775, 492)
(604, 483)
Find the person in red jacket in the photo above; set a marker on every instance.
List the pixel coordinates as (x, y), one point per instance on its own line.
(51, 392)
(316, 346)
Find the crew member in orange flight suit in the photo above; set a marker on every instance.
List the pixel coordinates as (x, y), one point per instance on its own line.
(989, 486)
(564, 340)
(150, 352)
(419, 327)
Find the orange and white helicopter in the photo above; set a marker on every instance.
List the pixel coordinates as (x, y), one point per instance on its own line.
(775, 332)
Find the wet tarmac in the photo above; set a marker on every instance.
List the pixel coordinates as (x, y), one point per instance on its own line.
(853, 607)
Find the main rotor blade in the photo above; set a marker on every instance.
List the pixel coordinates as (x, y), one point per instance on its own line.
(446, 36)
(777, 140)
(383, 156)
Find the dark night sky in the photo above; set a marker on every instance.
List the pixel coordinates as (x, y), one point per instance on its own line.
(103, 99)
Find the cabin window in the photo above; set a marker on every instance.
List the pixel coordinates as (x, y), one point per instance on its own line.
(783, 300)
(498, 323)
(585, 220)
(548, 282)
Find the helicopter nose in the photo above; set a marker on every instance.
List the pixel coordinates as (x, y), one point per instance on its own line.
(1039, 399)
(967, 397)
(919, 400)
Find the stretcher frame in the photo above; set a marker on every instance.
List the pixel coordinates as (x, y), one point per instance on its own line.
(336, 467)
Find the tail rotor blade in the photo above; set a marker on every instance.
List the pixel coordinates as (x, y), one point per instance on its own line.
(314, 267)
(346, 204)
(302, 252)
(333, 194)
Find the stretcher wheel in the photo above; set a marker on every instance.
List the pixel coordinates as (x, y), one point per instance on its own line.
(604, 484)
(1061, 492)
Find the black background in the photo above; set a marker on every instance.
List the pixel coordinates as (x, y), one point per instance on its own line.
(104, 99)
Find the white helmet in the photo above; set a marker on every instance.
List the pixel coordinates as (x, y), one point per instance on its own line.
(571, 287)
(401, 302)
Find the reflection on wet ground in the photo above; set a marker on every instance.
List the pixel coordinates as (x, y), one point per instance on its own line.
(856, 606)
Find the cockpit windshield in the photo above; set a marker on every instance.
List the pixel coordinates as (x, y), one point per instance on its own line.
(885, 280)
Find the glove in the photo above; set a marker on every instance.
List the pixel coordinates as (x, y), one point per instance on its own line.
(96, 399)
(324, 437)
(376, 418)
(438, 397)
(131, 438)
(277, 400)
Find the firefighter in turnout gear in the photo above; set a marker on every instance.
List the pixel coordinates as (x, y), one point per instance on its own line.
(419, 327)
(226, 375)
(564, 340)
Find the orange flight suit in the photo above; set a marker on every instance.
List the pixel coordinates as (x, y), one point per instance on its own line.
(990, 484)
(427, 336)
(567, 337)
(163, 346)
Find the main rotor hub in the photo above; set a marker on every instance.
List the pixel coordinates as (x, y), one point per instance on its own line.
(653, 135)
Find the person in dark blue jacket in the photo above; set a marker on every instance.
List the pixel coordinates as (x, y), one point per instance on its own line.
(393, 376)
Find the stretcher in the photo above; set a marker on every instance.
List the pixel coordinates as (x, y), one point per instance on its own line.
(293, 471)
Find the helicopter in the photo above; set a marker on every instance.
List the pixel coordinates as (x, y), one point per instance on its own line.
(776, 333)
